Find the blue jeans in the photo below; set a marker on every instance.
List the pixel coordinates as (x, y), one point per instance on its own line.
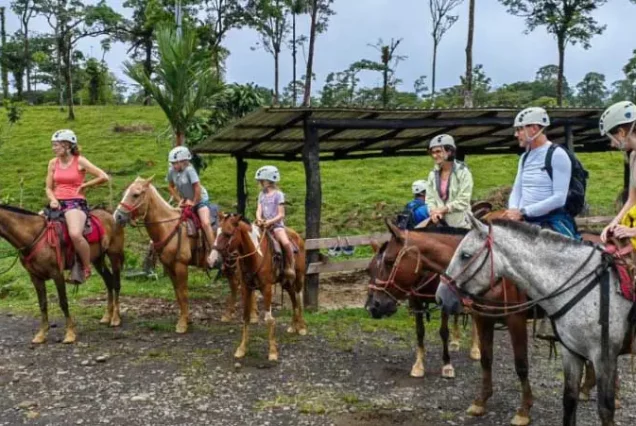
(559, 221)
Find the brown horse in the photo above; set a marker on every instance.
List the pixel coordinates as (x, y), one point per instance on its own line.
(168, 231)
(403, 277)
(249, 253)
(42, 256)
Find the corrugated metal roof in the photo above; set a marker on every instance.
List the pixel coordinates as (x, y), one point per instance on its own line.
(346, 131)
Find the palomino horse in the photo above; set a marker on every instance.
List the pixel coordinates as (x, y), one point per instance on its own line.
(42, 256)
(401, 277)
(168, 231)
(590, 318)
(249, 253)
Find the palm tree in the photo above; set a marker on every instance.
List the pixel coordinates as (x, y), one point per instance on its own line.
(184, 78)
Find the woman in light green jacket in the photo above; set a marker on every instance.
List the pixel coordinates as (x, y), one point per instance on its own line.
(450, 184)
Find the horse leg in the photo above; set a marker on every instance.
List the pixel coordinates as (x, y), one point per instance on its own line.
(519, 338)
(589, 382)
(455, 340)
(617, 389)
(116, 262)
(606, 382)
(270, 321)
(418, 368)
(246, 294)
(230, 306)
(179, 277)
(294, 327)
(486, 329)
(70, 336)
(572, 370)
(475, 351)
(254, 308)
(298, 287)
(447, 369)
(40, 289)
(103, 272)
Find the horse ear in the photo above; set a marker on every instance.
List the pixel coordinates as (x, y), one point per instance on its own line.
(375, 246)
(394, 230)
(221, 215)
(476, 224)
(148, 181)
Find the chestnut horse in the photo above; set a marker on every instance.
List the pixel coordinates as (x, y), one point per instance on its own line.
(249, 253)
(42, 256)
(168, 232)
(403, 277)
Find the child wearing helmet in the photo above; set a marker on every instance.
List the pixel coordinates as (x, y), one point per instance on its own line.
(450, 184)
(65, 189)
(416, 211)
(617, 123)
(185, 187)
(270, 213)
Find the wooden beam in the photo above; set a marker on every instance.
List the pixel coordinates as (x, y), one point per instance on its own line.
(241, 190)
(313, 205)
(325, 268)
(351, 240)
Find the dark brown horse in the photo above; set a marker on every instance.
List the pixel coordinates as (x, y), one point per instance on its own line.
(42, 256)
(249, 253)
(404, 277)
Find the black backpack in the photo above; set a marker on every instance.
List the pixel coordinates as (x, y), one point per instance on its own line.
(575, 202)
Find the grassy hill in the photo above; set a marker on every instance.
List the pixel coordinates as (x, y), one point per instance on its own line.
(356, 194)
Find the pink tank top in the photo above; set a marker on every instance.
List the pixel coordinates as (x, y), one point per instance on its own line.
(67, 181)
(443, 188)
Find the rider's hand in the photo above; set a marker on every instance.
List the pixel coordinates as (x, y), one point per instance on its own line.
(513, 214)
(188, 203)
(54, 205)
(609, 229)
(621, 231)
(81, 189)
(437, 215)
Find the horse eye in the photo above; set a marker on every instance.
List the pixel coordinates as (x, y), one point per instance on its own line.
(466, 256)
(135, 195)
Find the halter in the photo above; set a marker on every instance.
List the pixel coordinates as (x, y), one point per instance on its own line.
(234, 257)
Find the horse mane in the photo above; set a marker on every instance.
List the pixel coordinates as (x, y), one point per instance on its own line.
(18, 210)
(534, 231)
(446, 230)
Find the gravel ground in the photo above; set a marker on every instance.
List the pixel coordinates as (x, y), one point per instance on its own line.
(144, 374)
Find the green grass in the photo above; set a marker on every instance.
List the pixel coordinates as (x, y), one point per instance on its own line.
(357, 195)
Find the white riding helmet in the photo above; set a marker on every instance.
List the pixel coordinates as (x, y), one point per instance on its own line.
(532, 115)
(620, 113)
(419, 186)
(269, 173)
(64, 135)
(441, 140)
(179, 153)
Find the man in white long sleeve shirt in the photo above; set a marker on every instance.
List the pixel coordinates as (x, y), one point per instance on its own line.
(539, 195)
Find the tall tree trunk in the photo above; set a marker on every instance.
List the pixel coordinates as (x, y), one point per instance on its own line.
(561, 46)
(276, 75)
(310, 56)
(385, 86)
(69, 81)
(468, 88)
(27, 57)
(60, 48)
(3, 39)
(433, 71)
(147, 66)
(294, 88)
(179, 138)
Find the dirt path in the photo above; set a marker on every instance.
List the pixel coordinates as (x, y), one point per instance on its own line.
(144, 374)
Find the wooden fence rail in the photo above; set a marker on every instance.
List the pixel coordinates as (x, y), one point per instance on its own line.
(364, 240)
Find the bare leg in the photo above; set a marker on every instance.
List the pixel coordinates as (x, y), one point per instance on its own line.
(76, 220)
(204, 216)
(290, 270)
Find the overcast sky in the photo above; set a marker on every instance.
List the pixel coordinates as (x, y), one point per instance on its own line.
(500, 44)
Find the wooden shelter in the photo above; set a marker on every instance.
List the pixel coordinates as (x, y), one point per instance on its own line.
(312, 135)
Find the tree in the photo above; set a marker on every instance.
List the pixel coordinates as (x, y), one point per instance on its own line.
(13, 61)
(468, 89)
(622, 90)
(340, 87)
(546, 84)
(25, 9)
(97, 80)
(570, 21)
(3, 40)
(630, 68)
(591, 91)
(320, 11)
(270, 19)
(73, 21)
(297, 7)
(184, 78)
(442, 21)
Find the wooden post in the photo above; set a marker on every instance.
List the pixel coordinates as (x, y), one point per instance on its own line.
(313, 202)
(569, 137)
(241, 191)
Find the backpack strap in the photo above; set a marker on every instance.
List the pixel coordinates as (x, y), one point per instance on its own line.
(524, 157)
(548, 159)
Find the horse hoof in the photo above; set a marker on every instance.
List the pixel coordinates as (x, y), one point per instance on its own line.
(584, 396)
(105, 319)
(453, 346)
(226, 317)
(476, 410)
(475, 354)
(291, 329)
(617, 404)
(302, 331)
(39, 338)
(519, 420)
(417, 371)
(115, 322)
(254, 320)
(448, 372)
(181, 328)
(273, 357)
(69, 338)
(240, 353)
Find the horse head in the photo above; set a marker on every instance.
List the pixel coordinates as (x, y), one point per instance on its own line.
(134, 202)
(229, 238)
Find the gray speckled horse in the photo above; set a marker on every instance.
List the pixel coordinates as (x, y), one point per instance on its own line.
(572, 281)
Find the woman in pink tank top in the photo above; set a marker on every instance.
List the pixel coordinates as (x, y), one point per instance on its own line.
(65, 189)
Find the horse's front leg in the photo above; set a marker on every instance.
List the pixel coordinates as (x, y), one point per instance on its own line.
(246, 293)
(270, 321)
(572, 371)
(475, 351)
(179, 276)
(230, 306)
(606, 384)
(418, 368)
(589, 381)
(447, 369)
(519, 338)
(40, 289)
(456, 337)
(70, 335)
(486, 328)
